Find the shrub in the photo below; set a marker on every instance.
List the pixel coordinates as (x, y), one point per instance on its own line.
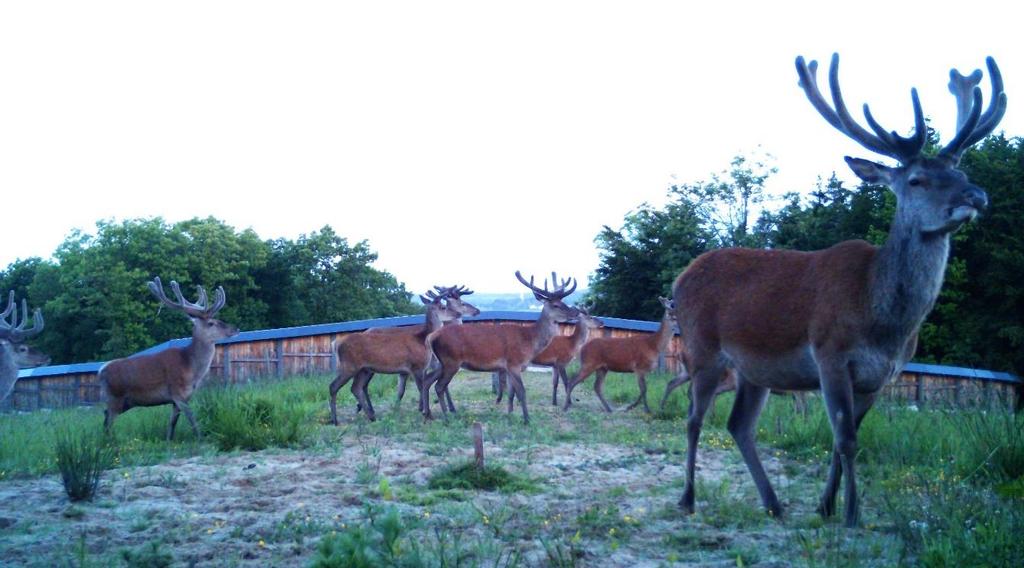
(469, 476)
(242, 419)
(81, 459)
(149, 555)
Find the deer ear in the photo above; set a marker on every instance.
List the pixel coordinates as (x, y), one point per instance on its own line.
(869, 171)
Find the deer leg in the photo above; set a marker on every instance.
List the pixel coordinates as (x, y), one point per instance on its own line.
(511, 391)
(114, 407)
(516, 382)
(402, 379)
(599, 388)
(175, 413)
(742, 425)
(565, 379)
(703, 393)
(499, 381)
(581, 376)
(554, 385)
(641, 381)
(183, 407)
(827, 505)
(448, 397)
(360, 391)
(339, 381)
(837, 391)
(682, 378)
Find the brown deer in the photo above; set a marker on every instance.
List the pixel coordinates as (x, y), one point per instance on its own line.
(494, 347)
(172, 375)
(14, 354)
(453, 299)
(637, 355)
(845, 319)
(558, 354)
(362, 354)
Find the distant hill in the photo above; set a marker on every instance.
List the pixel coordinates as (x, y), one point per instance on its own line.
(514, 301)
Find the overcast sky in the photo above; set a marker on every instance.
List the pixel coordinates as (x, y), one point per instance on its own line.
(463, 140)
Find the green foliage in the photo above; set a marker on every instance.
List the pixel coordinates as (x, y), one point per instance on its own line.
(242, 419)
(469, 476)
(94, 291)
(382, 541)
(150, 555)
(81, 459)
(945, 522)
(993, 446)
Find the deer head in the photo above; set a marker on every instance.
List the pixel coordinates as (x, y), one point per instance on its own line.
(204, 326)
(437, 311)
(453, 295)
(585, 319)
(932, 194)
(13, 334)
(552, 299)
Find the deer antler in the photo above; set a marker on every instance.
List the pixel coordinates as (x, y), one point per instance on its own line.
(200, 309)
(881, 142)
(971, 124)
(18, 333)
(456, 291)
(557, 294)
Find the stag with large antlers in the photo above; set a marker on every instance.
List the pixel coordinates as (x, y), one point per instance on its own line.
(637, 355)
(504, 348)
(362, 354)
(14, 354)
(845, 319)
(173, 375)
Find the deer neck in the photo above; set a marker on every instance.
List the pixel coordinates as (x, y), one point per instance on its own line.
(8, 367)
(907, 278)
(661, 337)
(433, 322)
(200, 356)
(580, 335)
(544, 330)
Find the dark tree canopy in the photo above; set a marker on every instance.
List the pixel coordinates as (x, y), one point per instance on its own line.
(94, 296)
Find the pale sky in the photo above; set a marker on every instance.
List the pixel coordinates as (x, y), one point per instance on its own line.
(463, 140)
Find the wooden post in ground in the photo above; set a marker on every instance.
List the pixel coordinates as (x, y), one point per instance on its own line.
(478, 444)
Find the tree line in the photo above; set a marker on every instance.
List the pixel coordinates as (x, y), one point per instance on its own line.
(978, 320)
(94, 297)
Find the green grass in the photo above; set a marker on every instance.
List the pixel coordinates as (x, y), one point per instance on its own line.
(941, 487)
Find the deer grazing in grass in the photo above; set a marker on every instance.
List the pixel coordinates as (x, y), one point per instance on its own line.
(499, 348)
(362, 354)
(558, 354)
(14, 354)
(845, 319)
(637, 355)
(453, 299)
(172, 375)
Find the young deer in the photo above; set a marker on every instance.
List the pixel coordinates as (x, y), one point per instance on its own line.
(173, 375)
(453, 299)
(362, 354)
(14, 354)
(558, 354)
(845, 319)
(493, 347)
(637, 355)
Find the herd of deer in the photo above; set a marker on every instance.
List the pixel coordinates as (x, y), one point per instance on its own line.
(843, 320)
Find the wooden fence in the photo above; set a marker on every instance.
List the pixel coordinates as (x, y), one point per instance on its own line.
(306, 350)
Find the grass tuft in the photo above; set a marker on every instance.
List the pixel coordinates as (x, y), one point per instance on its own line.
(81, 459)
(468, 476)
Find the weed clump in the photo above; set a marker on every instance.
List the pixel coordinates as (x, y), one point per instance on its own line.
(150, 555)
(468, 476)
(241, 419)
(81, 459)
